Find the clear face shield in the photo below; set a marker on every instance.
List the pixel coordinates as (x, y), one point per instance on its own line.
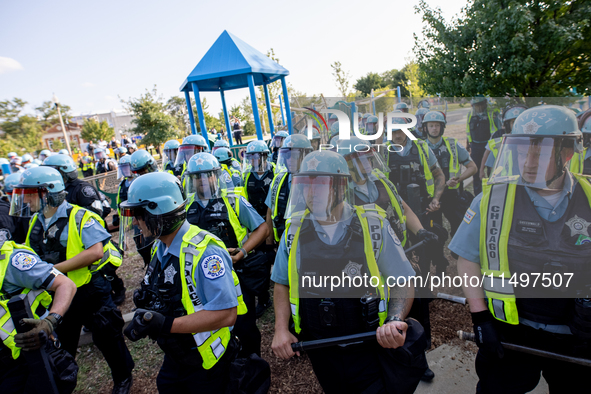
(27, 201)
(42, 157)
(151, 167)
(254, 162)
(124, 171)
(434, 129)
(361, 165)
(100, 155)
(327, 197)
(371, 128)
(205, 185)
(170, 155)
(138, 229)
(185, 153)
(315, 144)
(537, 162)
(290, 159)
(277, 142)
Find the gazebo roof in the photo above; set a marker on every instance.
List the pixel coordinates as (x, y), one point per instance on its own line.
(227, 63)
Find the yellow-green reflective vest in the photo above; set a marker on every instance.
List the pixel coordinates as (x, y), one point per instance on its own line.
(494, 145)
(577, 163)
(454, 161)
(422, 147)
(370, 217)
(491, 122)
(77, 221)
(395, 201)
(230, 199)
(39, 300)
(496, 216)
(276, 185)
(210, 344)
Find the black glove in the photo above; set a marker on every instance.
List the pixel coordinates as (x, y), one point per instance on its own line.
(485, 333)
(36, 337)
(147, 323)
(427, 236)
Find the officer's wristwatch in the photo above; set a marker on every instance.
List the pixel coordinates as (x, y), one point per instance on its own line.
(392, 318)
(57, 319)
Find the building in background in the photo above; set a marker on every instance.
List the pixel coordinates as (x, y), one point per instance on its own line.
(73, 131)
(120, 121)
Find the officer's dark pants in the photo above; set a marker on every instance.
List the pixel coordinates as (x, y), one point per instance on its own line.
(13, 373)
(476, 153)
(175, 378)
(246, 327)
(263, 295)
(519, 372)
(366, 368)
(93, 307)
(449, 203)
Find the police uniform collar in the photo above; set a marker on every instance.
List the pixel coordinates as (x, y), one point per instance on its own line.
(436, 145)
(567, 190)
(342, 225)
(175, 246)
(62, 212)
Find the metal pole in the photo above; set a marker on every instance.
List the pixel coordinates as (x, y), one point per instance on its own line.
(398, 93)
(200, 111)
(373, 104)
(281, 106)
(269, 110)
(287, 108)
(191, 117)
(226, 118)
(59, 113)
(255, 108)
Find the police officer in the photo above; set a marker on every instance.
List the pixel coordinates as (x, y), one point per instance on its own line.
(86, 164)
(492, 146)
(23, 272)
(191, 145)
(79, 192)
(189, 288)
(171, 150)
(277, 143)
(327, 235)
(224, 144)
(75, 242)
(420, 114)
(295, 148)
(481, 124)
(230, 173)
(450, 155)
(131, 148)
(122, 151)
(233, 220)
(402, 107)
(142, 162)
(126, 175)
(258, 175)
(535, 212)
(581, 162)
(103, 164)
(9, 226)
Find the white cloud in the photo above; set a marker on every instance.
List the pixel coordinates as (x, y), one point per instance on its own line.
(88, 85)
(110, 98)
(8, 64)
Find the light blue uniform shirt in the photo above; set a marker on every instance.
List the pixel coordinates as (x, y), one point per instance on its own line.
(370, 194)
(248, 216)
(25, 270)
(232, 180)
(215, 294)
(391, 262)
(463, 155)
(466, 242)
(431, 158)
(92, 231)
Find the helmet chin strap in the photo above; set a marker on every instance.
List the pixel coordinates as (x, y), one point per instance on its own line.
(560, 167)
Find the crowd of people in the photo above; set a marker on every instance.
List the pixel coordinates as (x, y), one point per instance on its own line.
(214, 232)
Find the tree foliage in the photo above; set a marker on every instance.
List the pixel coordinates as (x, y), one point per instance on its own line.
(94, 131)
(49, 116)
(341, 77)
(506, 47)
(21, 131)
(372, 81)
(152, 121)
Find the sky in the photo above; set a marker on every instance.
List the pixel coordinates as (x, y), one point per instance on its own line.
(91, 54)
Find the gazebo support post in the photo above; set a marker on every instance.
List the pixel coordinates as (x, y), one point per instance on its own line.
(269, 109)
(287, 108)
(255, 108)
(191, 117)
(226, 118)
(200, 112)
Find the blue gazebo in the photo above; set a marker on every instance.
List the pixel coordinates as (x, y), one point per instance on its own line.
(229, 64)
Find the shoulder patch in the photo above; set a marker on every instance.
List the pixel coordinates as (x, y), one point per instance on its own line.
(88, 191)
(245, 202)
(393, 235)
(469, 216)
(24, 261)
(89, 223)
(226, 177)
(213, 266)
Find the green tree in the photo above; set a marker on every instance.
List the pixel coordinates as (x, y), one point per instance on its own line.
(21, 131)
(341, 78)
(370, 81)
(506, 47)
(94, 131)
(152, 121)
(176, 106)
(48, 113)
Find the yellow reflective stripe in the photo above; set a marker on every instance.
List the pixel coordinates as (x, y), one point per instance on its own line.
(239, 230)
(454, 163)
(293, 277)
(427, 171)
(395, 201)
(275, 189)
